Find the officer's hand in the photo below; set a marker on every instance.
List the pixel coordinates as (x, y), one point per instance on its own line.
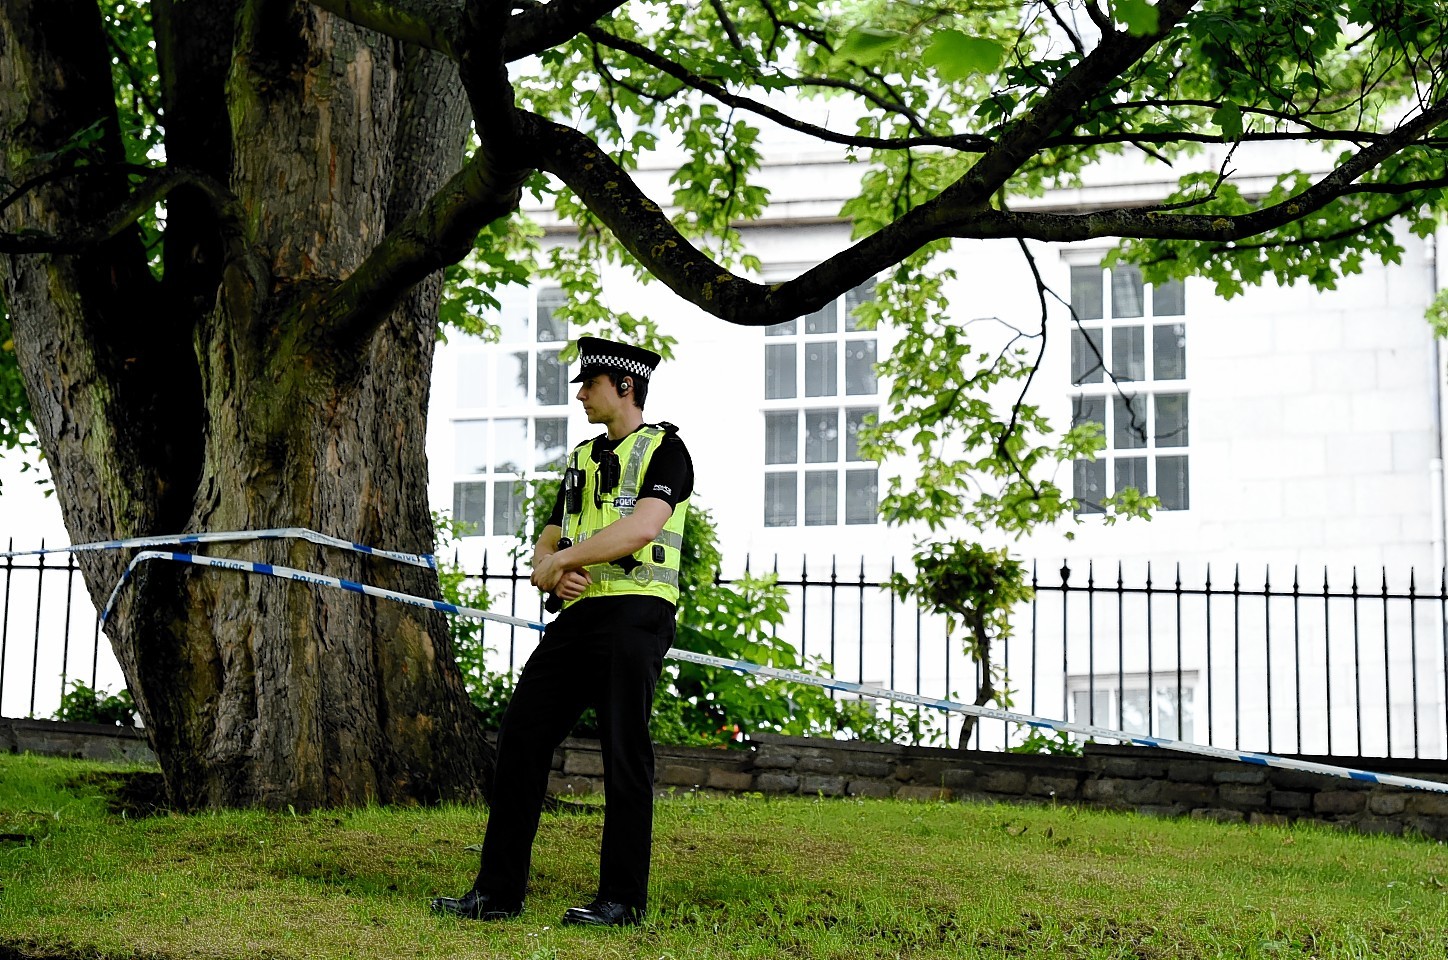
(546, 573)
(572, 585)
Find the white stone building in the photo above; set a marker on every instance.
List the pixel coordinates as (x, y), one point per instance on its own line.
(1284, 430)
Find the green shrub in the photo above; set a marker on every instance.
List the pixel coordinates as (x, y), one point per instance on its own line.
(81, 704)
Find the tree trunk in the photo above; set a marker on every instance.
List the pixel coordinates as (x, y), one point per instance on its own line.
(985, 691)
(227, 398)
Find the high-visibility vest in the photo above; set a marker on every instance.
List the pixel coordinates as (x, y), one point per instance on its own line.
(654, 570)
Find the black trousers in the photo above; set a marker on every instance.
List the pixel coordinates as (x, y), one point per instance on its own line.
(605, 653)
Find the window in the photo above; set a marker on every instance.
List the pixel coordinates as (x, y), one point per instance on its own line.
(500, 435)
(1132, 705)
(819, 387)
(1129, 377)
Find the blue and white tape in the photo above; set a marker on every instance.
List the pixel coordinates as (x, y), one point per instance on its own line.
(951, 706)
(810, 679)
(235, 536)
(306, 576)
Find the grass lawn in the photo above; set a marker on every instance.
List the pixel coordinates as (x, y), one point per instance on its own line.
(733, 877)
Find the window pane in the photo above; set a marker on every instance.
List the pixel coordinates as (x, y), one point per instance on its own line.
(551, 329)
(470, 505)
(1134, 715)
(820, 494)
(862, 496)
(1171, 721)
(507, 507)
(470, 446)
(472, 380)
(1169, 351)
(1088, 410)
(779, 375)
(513, 380)
(1131, 472)
(550, 443)
(1171, 420)
(1172, 484)
(1128, 353)
(1128, 416)
(1127, 292)
(781, 437)
(860, 367)
(1090, 480)
(780, 500)
(854, 422)
(821, 364)
(510, 445)
(1086, 293)
(855, 296)
(1169, 299)
(1091, 708)
(787, 329)
(823, 320)
(552, 389)
(821, 436)
(1086, 355)
(513, 322)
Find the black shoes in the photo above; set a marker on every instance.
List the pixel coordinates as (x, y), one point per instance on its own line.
(484, 906)
(602, 913)
(476, 906)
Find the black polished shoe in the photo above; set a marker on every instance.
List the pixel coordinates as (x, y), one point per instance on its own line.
(602, 913)
(476, 906)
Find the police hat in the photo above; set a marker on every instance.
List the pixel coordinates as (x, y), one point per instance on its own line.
(598, 355)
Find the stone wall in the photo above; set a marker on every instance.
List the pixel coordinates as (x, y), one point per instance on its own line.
(1145, 779)
(88, 741)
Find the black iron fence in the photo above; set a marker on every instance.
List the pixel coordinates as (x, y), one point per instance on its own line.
(1344, 664)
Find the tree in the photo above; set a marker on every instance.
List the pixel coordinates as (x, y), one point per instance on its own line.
(239, 335)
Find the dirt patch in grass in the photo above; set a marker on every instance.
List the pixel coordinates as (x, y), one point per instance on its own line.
(135, 794)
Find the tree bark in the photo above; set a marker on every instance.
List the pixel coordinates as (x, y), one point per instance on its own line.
(235, 408)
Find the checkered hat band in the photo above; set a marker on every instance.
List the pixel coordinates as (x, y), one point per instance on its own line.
(628, 366)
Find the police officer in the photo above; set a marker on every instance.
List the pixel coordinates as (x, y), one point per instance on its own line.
(610, 552)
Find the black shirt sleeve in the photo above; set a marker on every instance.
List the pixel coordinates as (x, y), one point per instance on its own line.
(670, 475)
(555, 518)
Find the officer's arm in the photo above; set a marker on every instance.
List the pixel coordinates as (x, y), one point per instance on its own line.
(624, 536)
(547, 543)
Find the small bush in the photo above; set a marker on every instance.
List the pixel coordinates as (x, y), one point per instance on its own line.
(81, 704)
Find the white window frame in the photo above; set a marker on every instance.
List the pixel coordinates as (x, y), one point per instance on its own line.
(1118, 398)
(484, 364)
(1161, 694)
(806, 474)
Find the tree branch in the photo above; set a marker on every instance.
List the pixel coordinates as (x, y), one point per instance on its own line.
(1024, 136)
(434, 24)
(546, 25)
(439, 234)
(138, 204)
(1151, 224)
(638, 223)
(704, 85)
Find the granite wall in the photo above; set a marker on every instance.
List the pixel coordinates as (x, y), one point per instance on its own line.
(1145, 779)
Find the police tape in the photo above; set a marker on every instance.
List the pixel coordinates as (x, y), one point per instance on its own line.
(234, 536)
(745, 667)
(991, 713)
(306, 576)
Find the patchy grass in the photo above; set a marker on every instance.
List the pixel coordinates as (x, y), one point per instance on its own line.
(81, 876)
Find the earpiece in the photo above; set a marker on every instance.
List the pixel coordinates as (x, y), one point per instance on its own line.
(624, 388)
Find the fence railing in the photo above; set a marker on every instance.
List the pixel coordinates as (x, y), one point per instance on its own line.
(1344, 664)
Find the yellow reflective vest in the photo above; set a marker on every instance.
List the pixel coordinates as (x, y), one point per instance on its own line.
(653, 571)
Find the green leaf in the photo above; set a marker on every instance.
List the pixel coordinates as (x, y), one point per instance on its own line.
(1229, 117)
(867, 45)
(956, 56)
(1139, 16)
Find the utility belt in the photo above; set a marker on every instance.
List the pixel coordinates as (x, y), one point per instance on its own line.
(643, 574)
